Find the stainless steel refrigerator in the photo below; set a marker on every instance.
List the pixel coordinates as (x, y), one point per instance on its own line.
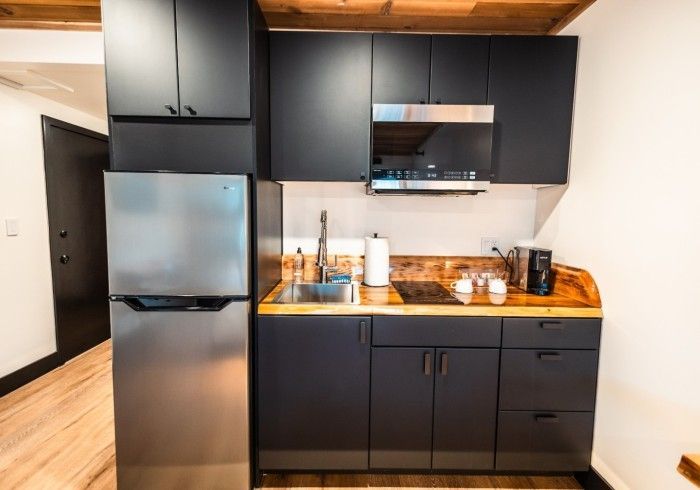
(179, 281)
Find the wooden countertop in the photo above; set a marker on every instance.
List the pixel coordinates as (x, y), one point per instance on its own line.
(387, 301)
(689, 467)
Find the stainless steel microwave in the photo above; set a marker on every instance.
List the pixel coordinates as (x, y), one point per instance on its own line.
(431, 148)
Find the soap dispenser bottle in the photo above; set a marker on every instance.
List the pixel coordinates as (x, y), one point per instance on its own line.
(298, 274)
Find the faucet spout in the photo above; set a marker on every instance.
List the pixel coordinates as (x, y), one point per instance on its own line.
(322, 257)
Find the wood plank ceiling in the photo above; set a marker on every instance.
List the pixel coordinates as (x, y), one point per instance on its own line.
(460, 16)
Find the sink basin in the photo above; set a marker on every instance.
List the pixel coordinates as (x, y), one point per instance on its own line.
(317, 293)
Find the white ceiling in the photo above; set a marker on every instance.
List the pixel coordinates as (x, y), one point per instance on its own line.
(80, 86)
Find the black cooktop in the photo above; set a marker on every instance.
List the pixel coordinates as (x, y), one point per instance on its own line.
(424, 292)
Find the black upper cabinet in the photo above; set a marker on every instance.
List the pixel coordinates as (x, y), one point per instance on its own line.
(459, 69)
(313, 392)
(140, 60)
(196, 65)
(531, 85)
(400, 69)
(213, 53)
(320, 105)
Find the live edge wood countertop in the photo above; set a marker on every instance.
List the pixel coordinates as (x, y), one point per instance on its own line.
(574, 295)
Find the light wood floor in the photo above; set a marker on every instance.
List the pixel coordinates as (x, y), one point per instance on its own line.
(57, 433)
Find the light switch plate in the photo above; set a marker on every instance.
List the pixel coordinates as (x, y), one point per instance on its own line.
(487, 244)
(12, 226)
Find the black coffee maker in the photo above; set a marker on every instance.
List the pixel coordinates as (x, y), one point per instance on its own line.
(532, 270)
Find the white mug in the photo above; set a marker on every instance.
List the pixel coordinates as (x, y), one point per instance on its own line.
(463, 286)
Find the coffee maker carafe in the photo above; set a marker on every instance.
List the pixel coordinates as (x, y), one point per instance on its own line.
(532, 270)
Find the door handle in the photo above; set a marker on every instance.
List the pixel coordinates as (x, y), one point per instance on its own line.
(552, 325)
(171, 109)
(63, 233)
(64, 259)
(363, 332)
(547, 419)
(189, 109)
(426, 363)
(554, 356)
(443, 364)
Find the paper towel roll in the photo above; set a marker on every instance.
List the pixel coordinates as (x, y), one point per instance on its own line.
(376, 261)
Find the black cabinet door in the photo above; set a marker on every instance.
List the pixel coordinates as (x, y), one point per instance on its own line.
(400, 68)
(402, 408)
(459, 69)
(313, 392)
(320, 105)
(212, 50)
(531, 85)
(140, 57)
(466, 390)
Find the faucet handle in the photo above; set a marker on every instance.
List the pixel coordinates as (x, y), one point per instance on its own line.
(335, 260)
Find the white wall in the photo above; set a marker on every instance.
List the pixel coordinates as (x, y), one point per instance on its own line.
(415, 225)
(631, 216)
(26, 298)
(45, 46)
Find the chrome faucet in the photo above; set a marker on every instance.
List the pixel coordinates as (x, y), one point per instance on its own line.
(322, 258)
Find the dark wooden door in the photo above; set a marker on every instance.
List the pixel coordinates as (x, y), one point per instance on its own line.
(459, 69)
(466, 393)
(320, 105)
(400, 68)
(213, 58)
(402, 408)
(75, 159)
(531, 85)
(313, 392)
(140, 57)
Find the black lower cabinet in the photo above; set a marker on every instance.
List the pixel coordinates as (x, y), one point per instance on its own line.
(313, 392)
(544, 441)
(402, 408)
(433, 408)
(466, 392)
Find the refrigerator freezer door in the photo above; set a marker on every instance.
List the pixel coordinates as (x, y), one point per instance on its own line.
(177, 234)
(181, 397)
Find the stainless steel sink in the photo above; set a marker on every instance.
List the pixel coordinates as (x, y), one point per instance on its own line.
(317, 293)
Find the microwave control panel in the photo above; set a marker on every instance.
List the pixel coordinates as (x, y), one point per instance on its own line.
(428, 174)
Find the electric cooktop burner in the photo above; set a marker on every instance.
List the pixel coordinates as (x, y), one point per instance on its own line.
(424, 292)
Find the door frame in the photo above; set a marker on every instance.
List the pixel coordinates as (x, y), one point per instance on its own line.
(47, 123)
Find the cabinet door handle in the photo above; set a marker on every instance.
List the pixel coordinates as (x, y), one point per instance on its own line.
(171, 109)
(426, 363)
(552, 325)
(443, 364)
(547, 419)
(189, 109)
(64, 259)
(422, 101)
(552, 356)
(363, 332)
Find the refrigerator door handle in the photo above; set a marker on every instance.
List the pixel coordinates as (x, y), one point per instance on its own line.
(177, 303)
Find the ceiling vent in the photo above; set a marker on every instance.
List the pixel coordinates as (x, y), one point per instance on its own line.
(30, 80)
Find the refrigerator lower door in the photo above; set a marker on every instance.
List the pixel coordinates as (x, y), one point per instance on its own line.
(177, 234)
(181, 397)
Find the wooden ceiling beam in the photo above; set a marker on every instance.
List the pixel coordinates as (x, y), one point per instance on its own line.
(444, 16)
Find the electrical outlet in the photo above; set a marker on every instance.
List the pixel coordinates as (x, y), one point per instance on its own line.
(487, 244)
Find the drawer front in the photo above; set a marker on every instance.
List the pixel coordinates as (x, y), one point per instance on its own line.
(544, 441)
(548, 380)
(551, 333)
(436, 331)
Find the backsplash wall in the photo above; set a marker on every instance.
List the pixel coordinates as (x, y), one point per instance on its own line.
(415, 225)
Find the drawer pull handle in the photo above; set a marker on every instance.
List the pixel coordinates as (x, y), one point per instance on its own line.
(363, 332)
(552, 325)
(547, 419)
(443, 364)
(426, 363)
(550, 357)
